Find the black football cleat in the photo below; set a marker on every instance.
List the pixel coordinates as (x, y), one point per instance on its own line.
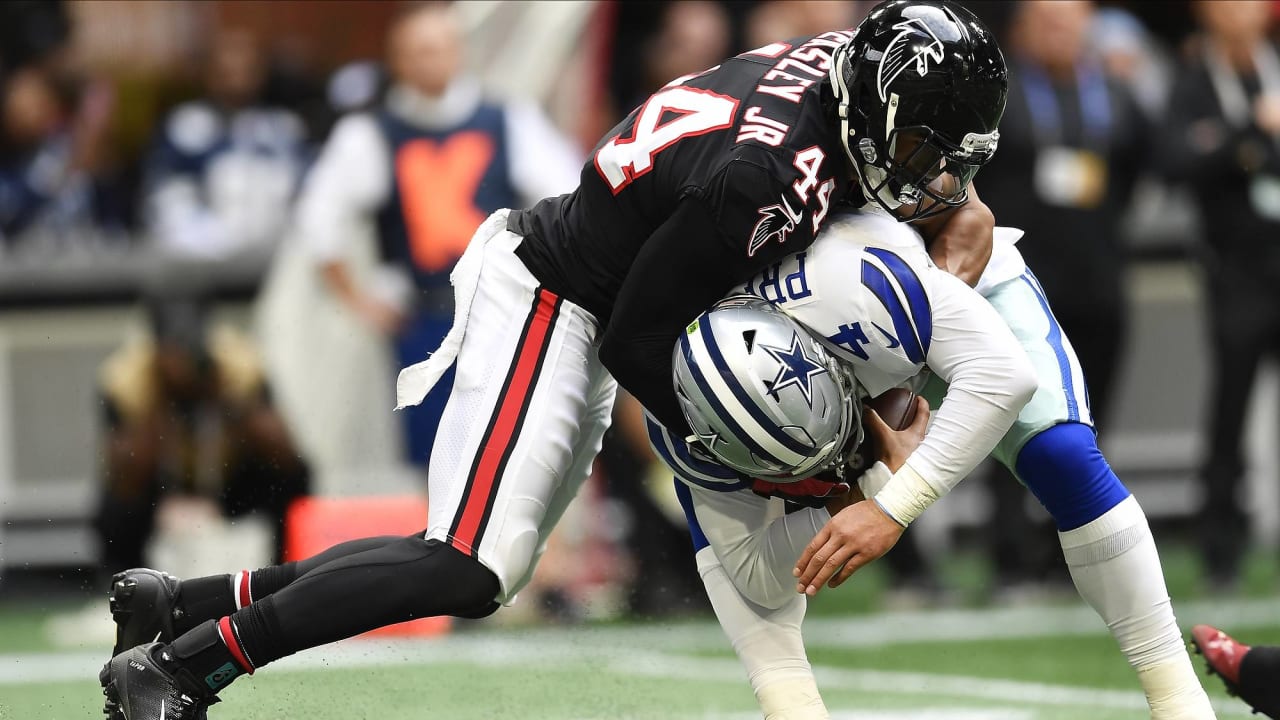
(138, 686)
(143, 606)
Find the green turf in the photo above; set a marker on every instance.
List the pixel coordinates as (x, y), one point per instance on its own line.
(559, 690)
(676, 671)
(22, 629)
(464, 694)
(621, 672)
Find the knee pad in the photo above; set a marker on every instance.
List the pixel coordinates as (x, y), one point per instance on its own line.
(1063, 467)
(472, 587)
(482, 612)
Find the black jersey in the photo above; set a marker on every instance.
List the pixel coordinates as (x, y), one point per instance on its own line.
(712, 179)
(748, 138)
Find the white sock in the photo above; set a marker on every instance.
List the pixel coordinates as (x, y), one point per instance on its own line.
(1116, 569)
(769, 644)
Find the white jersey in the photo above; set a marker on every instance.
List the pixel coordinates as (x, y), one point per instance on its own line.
(868, 289)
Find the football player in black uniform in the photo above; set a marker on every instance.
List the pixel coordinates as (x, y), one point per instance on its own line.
(1250, 672)
(714, 178)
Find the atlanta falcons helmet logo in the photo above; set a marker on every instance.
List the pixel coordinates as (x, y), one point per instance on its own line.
(905, 49)
(776, 221)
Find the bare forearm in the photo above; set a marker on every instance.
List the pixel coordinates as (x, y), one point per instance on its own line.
(960, 239)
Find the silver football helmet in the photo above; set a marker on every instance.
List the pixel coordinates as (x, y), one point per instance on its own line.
(763, 396)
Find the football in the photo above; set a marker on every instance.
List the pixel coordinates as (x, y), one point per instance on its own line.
(896, 406)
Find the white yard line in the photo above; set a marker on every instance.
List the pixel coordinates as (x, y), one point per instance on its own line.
(894, 628)
(914, 714)
(930, 685)
(1020, 622)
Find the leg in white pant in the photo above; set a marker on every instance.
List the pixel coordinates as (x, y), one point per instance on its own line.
(746, 547)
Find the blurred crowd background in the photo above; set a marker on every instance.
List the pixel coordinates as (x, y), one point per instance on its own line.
(225, 225)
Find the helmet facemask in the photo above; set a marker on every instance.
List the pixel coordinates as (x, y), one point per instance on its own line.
(916, 173)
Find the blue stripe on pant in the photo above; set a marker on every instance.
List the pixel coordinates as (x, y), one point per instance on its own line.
(1055, 339)
(686, 502)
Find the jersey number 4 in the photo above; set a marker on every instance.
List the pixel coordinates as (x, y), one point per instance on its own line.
(667, 117)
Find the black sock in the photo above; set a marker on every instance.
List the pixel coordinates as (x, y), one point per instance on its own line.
(1260, 680)
(202, 599)
(207, 658)
(215, 596)
(218, 643)
(270, 580)
(255, 626)
(395, 582)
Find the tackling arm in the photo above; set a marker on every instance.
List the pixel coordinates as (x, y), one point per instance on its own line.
(903, 315)
(989, 381)
(681, 271)
(960, 241)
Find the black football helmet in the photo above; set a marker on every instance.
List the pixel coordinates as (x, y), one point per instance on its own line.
(919, 92)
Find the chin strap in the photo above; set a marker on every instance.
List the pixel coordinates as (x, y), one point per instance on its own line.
(839, 59)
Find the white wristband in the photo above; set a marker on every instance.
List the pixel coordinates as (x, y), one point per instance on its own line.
(874, 479)
(906, 496)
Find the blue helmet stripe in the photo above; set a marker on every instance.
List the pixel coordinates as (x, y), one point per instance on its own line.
(745, 400)
(882, 287)
(740, 434)
(917, 299)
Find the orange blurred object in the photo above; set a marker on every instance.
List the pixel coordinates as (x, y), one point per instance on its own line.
(314, 524)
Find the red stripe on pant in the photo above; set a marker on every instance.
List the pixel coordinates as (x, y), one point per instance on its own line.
(504, 431)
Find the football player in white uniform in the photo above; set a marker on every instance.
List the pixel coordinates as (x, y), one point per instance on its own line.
(869, 293)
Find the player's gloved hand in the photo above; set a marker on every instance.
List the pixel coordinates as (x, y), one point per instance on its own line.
(813, 492)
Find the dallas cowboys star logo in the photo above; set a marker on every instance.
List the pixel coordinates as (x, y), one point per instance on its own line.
(795, 367)
(709, 439)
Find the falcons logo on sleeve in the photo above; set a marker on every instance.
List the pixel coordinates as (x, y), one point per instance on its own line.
(914, 44)
(775, 221)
